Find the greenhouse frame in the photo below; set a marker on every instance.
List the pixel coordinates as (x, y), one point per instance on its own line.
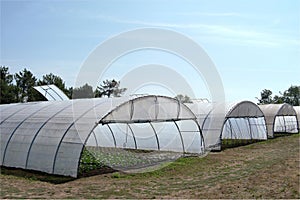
(50, 136)
(297, 109)
(280, 118)
(226, 121)
(51, 92)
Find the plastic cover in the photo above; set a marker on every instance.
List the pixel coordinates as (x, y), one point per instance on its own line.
(49, 136)
(214, 118)
(273, 111)
(51, 93)
(297, 109)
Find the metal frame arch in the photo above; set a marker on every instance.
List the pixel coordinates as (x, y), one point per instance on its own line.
(67, 130)
(178, 108)
(92, 131)
(202, 143)
(250, 129)
(131, 109)
(265, 121)
(282, 106)
(276, 115)
(12, 114)
(112, 133)
(205, 118)
(17, 127)
(181, 138)
(55, 93)
(297, 116)
(221, 133)
(95, 138)
(36, 134)
(156, 136)
(8, 106)
(84, 144)
(46, 92)
(150, 96)
(230, 125)
(135, 143)
(236, 105)
(156, 108)
(179, 104)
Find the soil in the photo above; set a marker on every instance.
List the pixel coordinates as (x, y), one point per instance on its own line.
(269, 169)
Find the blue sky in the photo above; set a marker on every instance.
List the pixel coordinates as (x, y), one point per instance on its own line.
(254, 44)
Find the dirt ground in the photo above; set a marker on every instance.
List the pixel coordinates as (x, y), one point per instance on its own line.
(269, 169)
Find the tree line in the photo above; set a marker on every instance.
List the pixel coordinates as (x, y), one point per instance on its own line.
(18, 87)
(291, 96)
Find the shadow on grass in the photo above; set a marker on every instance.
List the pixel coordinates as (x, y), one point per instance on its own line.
(50, 178)
(231, 143)
(35, 175)
(283, 134)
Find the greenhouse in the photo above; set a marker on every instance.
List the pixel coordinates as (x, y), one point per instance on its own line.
(297, 109)
(51, 136)
(51, 92)
(229, 123)
(280, 118)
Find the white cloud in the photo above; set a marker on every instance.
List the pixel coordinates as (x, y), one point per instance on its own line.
(225, 14)
(237, 35)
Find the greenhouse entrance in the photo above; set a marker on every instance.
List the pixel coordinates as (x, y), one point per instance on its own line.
(226, 125)
(281, 119)
(145, 138)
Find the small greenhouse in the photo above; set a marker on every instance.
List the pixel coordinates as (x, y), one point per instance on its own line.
(297, 109)
(280, 118)
(51, 92)
(235, 123)
(51, 136)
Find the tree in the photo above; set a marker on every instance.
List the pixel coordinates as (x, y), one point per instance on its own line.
(292, 95)
(7, 89)
(85, 91)
(109, 88)
(278, 99)
(49, 79)
(69, 93)
(25, 82)
(183, 98)
(266, 97)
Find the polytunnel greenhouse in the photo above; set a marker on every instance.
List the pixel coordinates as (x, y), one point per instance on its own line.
(52, 136)
(229, 124)
(297, 109)
(280, 119)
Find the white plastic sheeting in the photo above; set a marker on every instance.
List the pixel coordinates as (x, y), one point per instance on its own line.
(280, 118)
(51, 92)
(158, 108)
(49, 136)
(239, 120)
(297, 109)
(177, 129)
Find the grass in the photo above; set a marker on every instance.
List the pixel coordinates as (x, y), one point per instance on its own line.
(268, 169)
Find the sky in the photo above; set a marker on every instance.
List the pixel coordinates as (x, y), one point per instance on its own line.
(254, 45)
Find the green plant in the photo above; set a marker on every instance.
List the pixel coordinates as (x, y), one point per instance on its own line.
(116, 175)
